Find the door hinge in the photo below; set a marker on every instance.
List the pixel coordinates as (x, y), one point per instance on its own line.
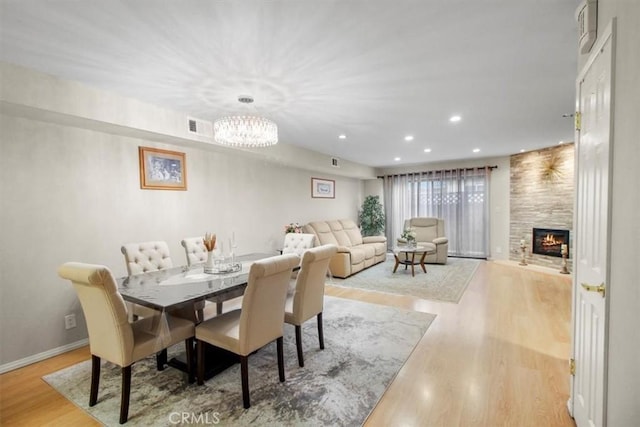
(578, 117)
(572, 367)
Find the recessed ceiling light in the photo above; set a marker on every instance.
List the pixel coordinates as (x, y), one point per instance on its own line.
(397, 159)
(560, 142)
(522, 150)
(476, 150)
(455, 119)
(427, 150)
(408, 138)
(342, 136)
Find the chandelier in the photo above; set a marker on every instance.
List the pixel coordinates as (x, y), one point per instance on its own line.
(245, 130)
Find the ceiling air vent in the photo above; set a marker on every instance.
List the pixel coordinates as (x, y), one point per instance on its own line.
(200, 127)
(334, 162)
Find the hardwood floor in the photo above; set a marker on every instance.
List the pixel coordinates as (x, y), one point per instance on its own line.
(497, 358)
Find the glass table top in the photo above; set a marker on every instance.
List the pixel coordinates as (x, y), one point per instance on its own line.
(178, 286)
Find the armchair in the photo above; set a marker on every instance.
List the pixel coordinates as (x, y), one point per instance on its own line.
(430, 233)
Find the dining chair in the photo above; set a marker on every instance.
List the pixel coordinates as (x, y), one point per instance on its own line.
(307, 297)
(195, 250)
(197, 253)
(297, 243)
(257, 323)
(151, 256)
(140, 258)
(111, 336)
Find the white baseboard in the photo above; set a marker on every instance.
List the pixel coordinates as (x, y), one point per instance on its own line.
(534, 267)
(42, 356)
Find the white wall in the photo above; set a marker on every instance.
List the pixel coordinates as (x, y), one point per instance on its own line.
(623, 291)
(71, 194)
(499, 197)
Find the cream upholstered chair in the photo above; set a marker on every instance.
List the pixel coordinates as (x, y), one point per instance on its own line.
(307, 299)
(195, 250)
(259, 321)
(111, 336)
(197, 253)
(430, 234)
(153, 256)
(140, 258)
(147, 256)
(297, 243)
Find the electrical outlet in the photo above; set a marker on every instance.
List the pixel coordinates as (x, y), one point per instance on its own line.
(498, 250)
(70, 321)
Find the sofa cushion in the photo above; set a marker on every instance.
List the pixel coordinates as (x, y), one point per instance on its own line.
(352, 231)
(338, 232)
(379, 247)
(369, 251)
(358, 255)
(324, 233)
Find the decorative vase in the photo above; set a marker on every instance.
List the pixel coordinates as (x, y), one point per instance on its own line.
(208, 265)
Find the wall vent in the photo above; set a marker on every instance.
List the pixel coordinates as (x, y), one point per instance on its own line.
(335, 162)
(200, 127)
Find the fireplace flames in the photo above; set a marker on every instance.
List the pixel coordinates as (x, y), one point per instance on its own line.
(550, 240)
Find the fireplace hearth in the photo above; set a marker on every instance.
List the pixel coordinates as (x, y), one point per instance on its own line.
(547, 241)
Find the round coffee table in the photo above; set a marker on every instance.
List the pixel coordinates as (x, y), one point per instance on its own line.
(410, 258)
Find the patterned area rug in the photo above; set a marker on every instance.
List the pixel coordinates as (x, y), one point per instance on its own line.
(365, 346)
(441, 282)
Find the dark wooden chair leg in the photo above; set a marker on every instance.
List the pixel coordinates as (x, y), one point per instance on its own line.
(161, 359)
(320, 331)
(126, 391)
(279, 346)
(244, 374)
(218, 308)
(299, 345)
(189, 355)
(95, 379)
(200, 358)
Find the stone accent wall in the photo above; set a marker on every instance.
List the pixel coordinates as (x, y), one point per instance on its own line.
(542, 195)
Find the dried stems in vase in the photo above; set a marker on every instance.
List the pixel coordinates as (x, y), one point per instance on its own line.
(209, 241)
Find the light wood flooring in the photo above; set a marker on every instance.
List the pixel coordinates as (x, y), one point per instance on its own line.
(497, 358)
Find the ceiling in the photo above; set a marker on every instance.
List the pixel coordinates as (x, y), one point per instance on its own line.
(374, 70)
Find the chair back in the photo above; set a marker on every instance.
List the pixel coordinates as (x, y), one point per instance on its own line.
(426, 228)
(262, 316)
(195, 250)
(110, 334)
(308, 297)
(148, 256)
(297, 243)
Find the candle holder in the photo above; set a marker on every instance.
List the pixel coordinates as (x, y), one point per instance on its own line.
(564, 269)
(523, 250)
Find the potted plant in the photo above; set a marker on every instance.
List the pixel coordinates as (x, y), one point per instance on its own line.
(371, 217)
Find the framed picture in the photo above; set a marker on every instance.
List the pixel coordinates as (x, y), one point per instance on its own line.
(323, 188)
(162, 169)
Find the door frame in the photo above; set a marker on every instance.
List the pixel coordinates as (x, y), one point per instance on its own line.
(609, 32)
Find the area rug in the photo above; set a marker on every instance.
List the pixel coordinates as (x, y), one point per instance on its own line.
(365, 347)
(441, 282)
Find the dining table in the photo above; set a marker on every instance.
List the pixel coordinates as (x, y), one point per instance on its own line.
(179, 288)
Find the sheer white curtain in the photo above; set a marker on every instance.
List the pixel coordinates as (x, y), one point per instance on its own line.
(459, 196)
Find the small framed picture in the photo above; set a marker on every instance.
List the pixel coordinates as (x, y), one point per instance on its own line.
(323, 188)
(162, 169)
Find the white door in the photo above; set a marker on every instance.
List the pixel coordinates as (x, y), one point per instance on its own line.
(591, 244)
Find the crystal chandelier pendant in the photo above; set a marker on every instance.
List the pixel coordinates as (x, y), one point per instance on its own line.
(245, 130)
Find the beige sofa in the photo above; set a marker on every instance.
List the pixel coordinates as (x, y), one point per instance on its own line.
(430, 234)
(355, 252)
